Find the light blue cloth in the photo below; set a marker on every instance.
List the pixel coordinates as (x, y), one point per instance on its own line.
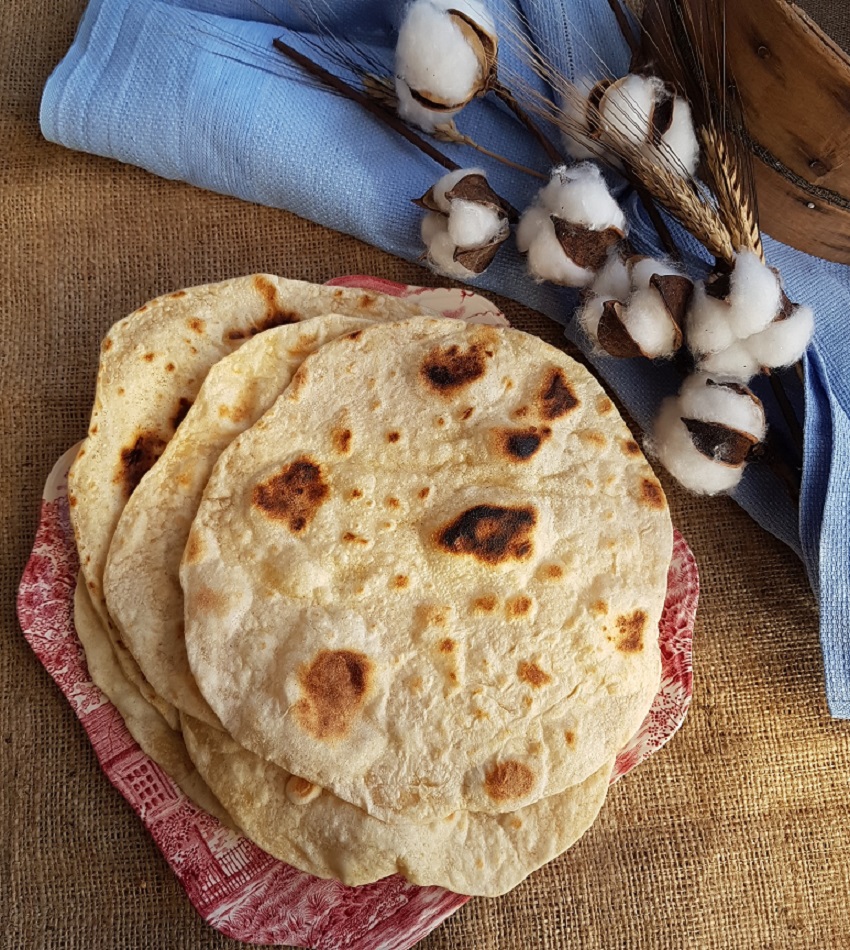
(194, 91)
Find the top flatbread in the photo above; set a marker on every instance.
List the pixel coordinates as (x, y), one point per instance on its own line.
(430, 578)
(151, 368)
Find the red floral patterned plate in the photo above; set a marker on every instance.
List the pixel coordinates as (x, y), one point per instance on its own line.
(235, 886)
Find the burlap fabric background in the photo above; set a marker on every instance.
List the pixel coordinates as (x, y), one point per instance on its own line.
(737, 836)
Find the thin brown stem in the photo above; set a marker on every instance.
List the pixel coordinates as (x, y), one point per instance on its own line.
(625, 28)
(510, 101)
(462, 139)
(659, 224)
(355, 95)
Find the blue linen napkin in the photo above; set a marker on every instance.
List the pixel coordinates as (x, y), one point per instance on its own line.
(192, 90)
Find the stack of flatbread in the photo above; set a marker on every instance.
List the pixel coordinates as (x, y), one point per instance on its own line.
(378, 588)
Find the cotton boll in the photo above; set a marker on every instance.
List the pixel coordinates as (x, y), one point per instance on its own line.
(736, 362)
(434, 58)
(474, 225)
(447, 182)
(701, 397)
(627, 106)
(650, 324)
(613, 281)
(784, 341)
(579, 194)
(707, 325)
(547, 260)
(574, 113)
(672, 444)
(754, 297)
(681, 138)
(533, 220)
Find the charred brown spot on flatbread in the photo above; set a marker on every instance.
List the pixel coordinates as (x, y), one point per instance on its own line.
(170, 367)
(424, 492)
(341, 439)
(196, 325)
(194, 549)
(72, 501)
(275, 315)
(138, 458)
(447, 370)
(651, 494)
(432, 615)
(183, 407)
(356, 493)
(393, 436)
(604, 405)
(557, 398)
(149, 357)
(519, 445)
(551, 572)
(467, 412)
(175, 296)
(509, 780)
(355, 335)
(630, 447)
(485, 604)
(592, 437)
(599, 608)
(490, 533)
(517, 607)
(569, 737)
(335, 686)
(351, 538)
(366, 301)
(400, 581)
(532, 674)
(447, 645)
(294, 495)
(630, 629)
(393, 502)
(107, 344)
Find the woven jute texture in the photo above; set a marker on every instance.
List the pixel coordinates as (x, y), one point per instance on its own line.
(736, 836)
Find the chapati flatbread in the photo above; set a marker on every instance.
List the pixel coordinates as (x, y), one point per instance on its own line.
(429, 579)
(151, 368)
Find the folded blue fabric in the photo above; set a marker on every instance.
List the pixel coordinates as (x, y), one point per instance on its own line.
(195, 91)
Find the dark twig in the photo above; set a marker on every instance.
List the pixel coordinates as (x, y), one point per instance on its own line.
(369, 104)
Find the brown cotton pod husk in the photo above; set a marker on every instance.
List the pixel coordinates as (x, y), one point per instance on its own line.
(476, 188)
(720, 443)
(676, 293)
(612, 334)
(478, 259)
(593, 120)
(588, 249)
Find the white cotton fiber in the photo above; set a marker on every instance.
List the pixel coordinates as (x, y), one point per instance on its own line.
(447, 182)
(672, 444)
(433, 56)
(579, 194)
(547, 260)
(707, 328)
(736, 363)
(415, 113)
(681, 139)
(699, 399)
(627, 105)
(783, 342)
(432, 225)
(755, 295)
(574, 115)
(589, 316)
(441, 247)
(533, 220)
(474, 225)
(613, 282)
(650, 324)
(645, 268)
